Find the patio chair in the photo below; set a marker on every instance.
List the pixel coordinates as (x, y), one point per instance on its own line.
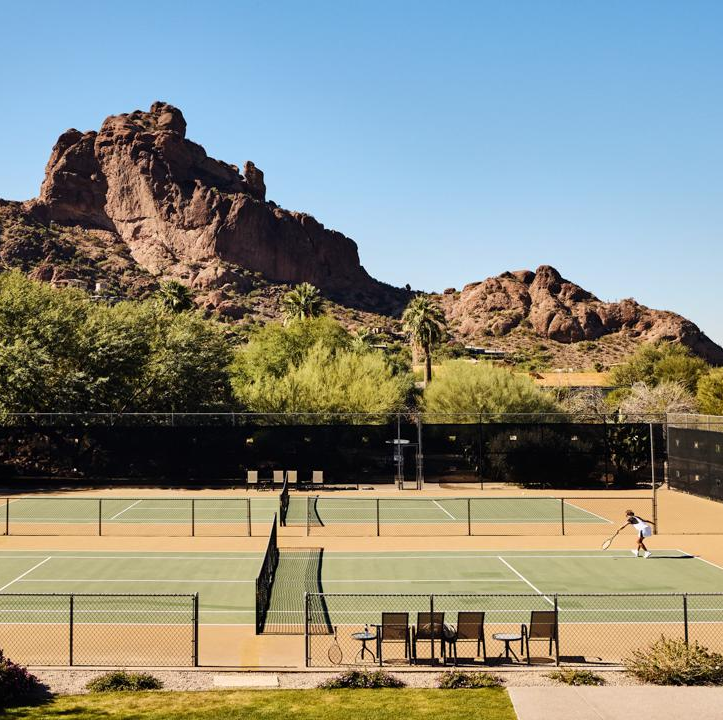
(278, 478)
(252, 479)
(317, 478)
(542, 627)
(430, 626)
(470, 628)
(394, 629)
(292, 478)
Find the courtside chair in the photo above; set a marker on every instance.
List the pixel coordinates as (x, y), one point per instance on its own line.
(292, 478)
(278, 478)
(542, 627)
(317, 478)
(252, 479)
(470, 628)
(394, 629)
(430, 626)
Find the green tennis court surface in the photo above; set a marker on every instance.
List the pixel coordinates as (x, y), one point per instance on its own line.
(225, 581)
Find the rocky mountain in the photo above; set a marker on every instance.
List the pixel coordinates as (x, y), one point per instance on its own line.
(136, 202)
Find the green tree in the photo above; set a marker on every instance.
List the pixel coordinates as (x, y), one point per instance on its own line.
(464, 387)
(302, 303)
(655, 364)
(426, 325)
(710, 392)
(175, 296)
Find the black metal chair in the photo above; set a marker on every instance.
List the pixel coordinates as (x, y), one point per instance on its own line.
(543, 627)
(470, 628)
(430, 626)
(394, 629)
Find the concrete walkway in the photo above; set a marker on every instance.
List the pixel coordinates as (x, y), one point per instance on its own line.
(617, 703)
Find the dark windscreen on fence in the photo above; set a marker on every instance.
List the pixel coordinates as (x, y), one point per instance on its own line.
(695, 458)
(359, 451)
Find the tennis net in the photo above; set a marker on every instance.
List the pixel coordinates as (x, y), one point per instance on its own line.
(265, 579)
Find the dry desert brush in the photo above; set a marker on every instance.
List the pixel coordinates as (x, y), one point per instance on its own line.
(675, 662)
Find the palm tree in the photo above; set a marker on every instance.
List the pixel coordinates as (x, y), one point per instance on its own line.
(303, 302)
(426, 325)
(175, 296)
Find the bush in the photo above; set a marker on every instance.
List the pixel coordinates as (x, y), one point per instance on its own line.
(121, 680)
(710, 392)
(673, 662)
(16, 683)
(362, 679)
(455, 679)
(576, 677)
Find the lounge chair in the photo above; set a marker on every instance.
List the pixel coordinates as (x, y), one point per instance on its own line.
(278, 478)
(252, 479)
(292, 478)
(317, 478)
(470, 628)
(394, 629)
(430, 626)
(543, 626)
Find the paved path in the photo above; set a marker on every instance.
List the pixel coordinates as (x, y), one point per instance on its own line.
(617, 703)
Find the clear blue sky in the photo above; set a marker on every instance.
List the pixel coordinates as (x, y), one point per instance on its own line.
(451, 140)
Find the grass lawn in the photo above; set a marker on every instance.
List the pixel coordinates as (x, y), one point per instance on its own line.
(485, 704)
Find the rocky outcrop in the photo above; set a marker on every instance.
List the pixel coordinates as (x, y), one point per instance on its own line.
(560, 310)
(176, 208)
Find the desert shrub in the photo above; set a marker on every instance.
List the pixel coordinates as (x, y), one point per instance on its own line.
(120, 680)
(675, 662)
(455, 679)
(16, 683)
(362, 679)
(710, 392)
(576, 677)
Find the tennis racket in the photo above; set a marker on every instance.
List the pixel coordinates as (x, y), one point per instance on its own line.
(609, 541)
(335, 654)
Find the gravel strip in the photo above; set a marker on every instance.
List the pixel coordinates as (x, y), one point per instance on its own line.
(72, 682)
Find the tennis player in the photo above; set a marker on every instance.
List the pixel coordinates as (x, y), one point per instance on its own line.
(643, 528)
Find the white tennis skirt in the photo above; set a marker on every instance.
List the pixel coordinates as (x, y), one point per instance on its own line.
(645, 531)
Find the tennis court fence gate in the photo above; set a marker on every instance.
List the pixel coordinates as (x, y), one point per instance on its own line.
(101, 629)
(592, 628)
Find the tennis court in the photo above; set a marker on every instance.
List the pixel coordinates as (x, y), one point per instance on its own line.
(356, 588)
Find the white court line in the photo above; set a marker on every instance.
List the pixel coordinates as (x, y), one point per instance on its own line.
(125, 509)
(443, 510)
(522, 577)
(116, 580)
(249, 558)
(27, 572)
(589, 512)
(409, 582)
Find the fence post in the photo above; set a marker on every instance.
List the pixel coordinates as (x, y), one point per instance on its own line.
(307, 658)
(308, 515)
(469, 516)
(557, 634)
(652, 477)
(70, 631)
(562, 514)
(100, 516)
(195, 629)
(431, 624)
(378, 521)
(248, 514)
(7, 516)
(193, 517)
(685, 617)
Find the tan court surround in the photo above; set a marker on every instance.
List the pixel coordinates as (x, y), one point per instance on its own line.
(688, 523)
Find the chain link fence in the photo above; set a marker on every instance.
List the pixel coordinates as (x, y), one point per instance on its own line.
(600, 628)
(99, 629)
(328, 516)
(128, 517)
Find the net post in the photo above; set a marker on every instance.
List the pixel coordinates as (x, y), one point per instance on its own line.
(193, 517)
(195, 629)
(100, 516)
(377, 512)
(562, 514)
(70, 629)
(307, 653)
(685, 617)
(469, 516)
(652, 479)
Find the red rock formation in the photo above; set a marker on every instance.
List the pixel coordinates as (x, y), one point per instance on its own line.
(176, 208)
(558, 309)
